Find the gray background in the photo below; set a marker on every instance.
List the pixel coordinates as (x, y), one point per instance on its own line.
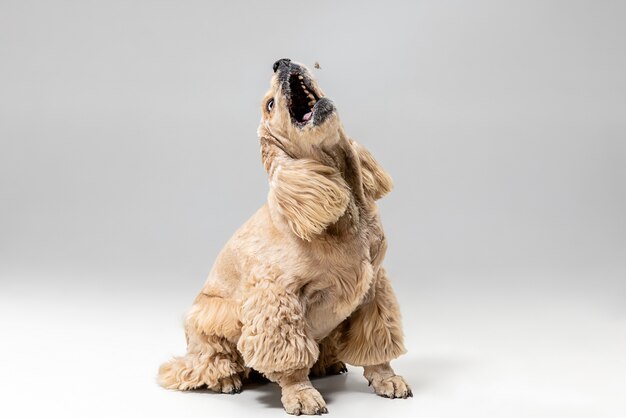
(128, 156)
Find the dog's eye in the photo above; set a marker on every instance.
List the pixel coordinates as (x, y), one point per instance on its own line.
(270, 105)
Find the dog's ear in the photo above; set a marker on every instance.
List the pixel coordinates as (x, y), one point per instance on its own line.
(307, 193)
(376, 182)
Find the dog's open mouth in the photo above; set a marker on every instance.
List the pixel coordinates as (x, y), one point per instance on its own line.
(301, 99)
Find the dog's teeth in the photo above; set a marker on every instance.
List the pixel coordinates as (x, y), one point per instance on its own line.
(300, 77)
(311, 103)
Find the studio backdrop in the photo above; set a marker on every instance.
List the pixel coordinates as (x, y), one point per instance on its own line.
(129, 156)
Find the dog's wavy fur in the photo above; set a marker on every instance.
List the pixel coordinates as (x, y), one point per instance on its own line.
(299, 289)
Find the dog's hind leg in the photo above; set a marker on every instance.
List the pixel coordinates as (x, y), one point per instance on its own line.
(327, 363)
(211, 359)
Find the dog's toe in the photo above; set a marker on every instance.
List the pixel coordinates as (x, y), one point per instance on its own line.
(319, 370)
(337, 368)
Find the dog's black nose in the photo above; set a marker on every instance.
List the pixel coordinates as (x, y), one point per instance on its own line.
(284, 61)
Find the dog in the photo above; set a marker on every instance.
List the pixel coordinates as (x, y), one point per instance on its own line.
(299, 290)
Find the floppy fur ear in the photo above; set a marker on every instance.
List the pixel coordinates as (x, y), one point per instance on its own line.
(310, 195)
(376, 182)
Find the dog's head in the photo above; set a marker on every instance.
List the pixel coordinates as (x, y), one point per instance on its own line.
(296, 112)
(317, 173)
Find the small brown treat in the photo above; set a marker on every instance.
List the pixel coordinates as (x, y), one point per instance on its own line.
(317, 65)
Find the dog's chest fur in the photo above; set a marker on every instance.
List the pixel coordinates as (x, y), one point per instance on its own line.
(332, 277)
(340, 286)
(328, 307)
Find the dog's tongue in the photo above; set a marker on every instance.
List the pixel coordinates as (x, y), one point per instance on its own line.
(307, 116)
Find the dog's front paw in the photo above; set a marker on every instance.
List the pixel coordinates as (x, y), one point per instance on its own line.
(307, 401)
(392, 387)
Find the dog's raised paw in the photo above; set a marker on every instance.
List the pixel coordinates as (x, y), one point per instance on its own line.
(306, 401)
(392, 387)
